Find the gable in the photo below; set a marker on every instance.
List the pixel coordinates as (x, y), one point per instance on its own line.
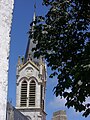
(28, 70)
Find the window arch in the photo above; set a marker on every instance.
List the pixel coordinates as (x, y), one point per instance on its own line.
(23, 102)
(32, 91)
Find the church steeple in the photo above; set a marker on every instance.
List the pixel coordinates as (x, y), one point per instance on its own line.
(29, 54)
(34, 16)
(31, 82)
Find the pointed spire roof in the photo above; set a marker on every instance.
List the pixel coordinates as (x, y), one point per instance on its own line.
(34, 16)
(29, 53)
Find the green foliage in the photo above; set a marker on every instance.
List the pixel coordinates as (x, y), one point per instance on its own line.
(63, 38)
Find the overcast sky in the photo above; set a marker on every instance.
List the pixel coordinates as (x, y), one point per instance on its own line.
(22, 16)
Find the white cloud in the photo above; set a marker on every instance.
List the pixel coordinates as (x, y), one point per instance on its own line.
(57, 102)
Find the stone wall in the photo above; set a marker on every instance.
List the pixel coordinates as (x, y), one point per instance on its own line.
(59, 115)
(6, 9)
(14, 114)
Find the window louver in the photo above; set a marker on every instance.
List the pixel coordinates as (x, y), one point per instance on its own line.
(24, 94)
(32, 89)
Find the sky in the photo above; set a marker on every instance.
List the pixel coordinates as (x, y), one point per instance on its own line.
(22, 17)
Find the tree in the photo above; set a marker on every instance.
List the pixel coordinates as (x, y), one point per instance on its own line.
(63, 38)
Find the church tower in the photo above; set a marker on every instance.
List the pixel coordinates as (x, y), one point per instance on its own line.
(31, 84)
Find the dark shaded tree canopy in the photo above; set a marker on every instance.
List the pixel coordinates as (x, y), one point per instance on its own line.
(63, 38)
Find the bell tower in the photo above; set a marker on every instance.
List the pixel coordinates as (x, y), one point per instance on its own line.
(31, 84)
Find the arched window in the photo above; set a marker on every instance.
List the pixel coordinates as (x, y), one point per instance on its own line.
(32, 90)
(23, 102)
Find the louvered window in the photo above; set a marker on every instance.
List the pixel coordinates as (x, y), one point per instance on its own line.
(32, 89)
(24, 94)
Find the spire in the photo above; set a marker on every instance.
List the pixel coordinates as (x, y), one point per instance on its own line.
(34, 16)
(29, 53)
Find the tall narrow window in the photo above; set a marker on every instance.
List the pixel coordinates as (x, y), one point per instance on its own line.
(32, 89)
(24, 94)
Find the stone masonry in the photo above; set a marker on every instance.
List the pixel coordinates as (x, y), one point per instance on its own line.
(6, 9)
(14, 114)
(59, 115)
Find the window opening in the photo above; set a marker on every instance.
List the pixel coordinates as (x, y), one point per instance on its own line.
(24, 94)
(32, 89)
